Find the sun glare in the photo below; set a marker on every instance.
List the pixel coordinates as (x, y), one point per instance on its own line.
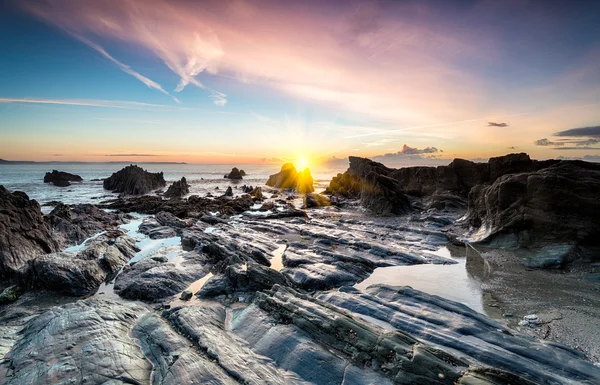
(301, 163)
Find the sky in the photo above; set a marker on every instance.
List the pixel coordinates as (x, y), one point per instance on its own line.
(404, 82)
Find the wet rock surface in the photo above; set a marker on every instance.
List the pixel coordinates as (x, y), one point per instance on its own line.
(74, 224)
(178, 189)
(134, 180)
(23, 232)
(61, 178)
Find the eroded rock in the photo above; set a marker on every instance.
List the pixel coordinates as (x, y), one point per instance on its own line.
(61, 178)
(134, 180)
(178, 189)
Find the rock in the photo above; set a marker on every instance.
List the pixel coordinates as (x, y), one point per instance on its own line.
(58, 347)
(290, 178)
(134, 180)
(237, 278)
(257, 194)
(11, 294)
(23, 232)
(235, 174)
(370, 182)
(247, 189)
(545, 214)
(229, 192)
(79, 274)
(178, 189)
(313, 200)
(186, 295)
(61, 178)
(74, 224)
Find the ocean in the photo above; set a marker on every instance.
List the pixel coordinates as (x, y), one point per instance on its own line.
(202, 178)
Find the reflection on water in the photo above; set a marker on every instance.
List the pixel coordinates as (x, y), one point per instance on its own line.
(277, 259)
(457, 282)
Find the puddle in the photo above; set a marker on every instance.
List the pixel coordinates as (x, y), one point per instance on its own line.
(452, 282)
(197, 285)
(76, 248)
(277, 259)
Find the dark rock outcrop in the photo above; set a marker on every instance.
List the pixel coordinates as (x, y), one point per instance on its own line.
(370, 182)
(134, 180)
(23, 232)
(81, 273)
(546, 213)
(290, 178)
(247, 278)
(178, 189)
(229, 192)
(61, 178)
(74, 224)
(235, 174)
(312, 200)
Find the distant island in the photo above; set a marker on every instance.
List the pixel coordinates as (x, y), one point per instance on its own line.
(4, 161)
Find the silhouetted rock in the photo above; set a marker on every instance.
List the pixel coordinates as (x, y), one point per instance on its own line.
(370, 182)
(23, 232)
(61, 178)
(312, 200)
(178, 189)
(290, 178)
(544, 213)
(229, 192)
(235, 174)
(134, 180)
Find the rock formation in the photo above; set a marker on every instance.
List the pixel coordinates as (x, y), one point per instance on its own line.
(23, 232)
(547, 212)
(134, 180)
(312, 200)
(178, 189)
(61, 178)
(290, 178)
(235, 174)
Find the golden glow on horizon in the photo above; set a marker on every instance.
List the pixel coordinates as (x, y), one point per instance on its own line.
(302, 162)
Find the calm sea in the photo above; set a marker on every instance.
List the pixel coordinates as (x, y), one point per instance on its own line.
(201, 177)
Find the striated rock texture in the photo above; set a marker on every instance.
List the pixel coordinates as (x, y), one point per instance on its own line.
(81, 273)
(23, 232)
(178, 189)
(547, 212)
(61, 178)
(290, 178)
(74, 224)
(134, 180)
(371, 183)
(235, 174)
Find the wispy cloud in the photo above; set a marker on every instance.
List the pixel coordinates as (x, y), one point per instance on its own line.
(545, 142)
(495, 124)
(130, 155)
(593, 131)
(130, 120)
(577, 148)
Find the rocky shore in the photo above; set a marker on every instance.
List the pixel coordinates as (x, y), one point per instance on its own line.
(259, 286)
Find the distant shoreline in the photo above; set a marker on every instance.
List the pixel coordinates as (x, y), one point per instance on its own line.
(2, 161)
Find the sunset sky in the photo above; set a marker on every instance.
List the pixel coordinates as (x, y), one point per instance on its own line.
(259, 81)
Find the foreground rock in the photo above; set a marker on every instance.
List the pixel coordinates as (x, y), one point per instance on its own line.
(235, 174)
(61, 178)
(134, 180)
(290, 178)
(74, 224)
(547, 214)
(81, 273)
(23, 232)
(178, 189)
(371, 183)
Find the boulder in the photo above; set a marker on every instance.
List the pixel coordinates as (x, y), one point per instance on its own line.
(11, 294)
(546, 213)
(61, 178)
(23, 232)
(235, 174)
(229, 192)
(312, 200)
(290, 178)
(74, 224)
(134, 180)
(178, 189)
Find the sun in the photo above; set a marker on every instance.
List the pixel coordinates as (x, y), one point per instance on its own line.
(301, 163)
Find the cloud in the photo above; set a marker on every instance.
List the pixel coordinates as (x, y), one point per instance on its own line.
(593, 132)
(379, 142)
(545, 142)
(577, 148)
(131, 155)
(494, 124)
(406, 150)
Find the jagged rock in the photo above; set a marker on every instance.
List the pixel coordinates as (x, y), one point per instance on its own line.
(370, 181)
(57, 347)
(257, 193)
(11, 294)
(235, 174)
(61, 178)
(290, 178)
(247, 189)
(237, 278)
(229, 192)
(74, 224)
(313, 200)
(23, 232)
(186, 295)
(134, 180)
(178, 189)
(81, 273)
(545, 213)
